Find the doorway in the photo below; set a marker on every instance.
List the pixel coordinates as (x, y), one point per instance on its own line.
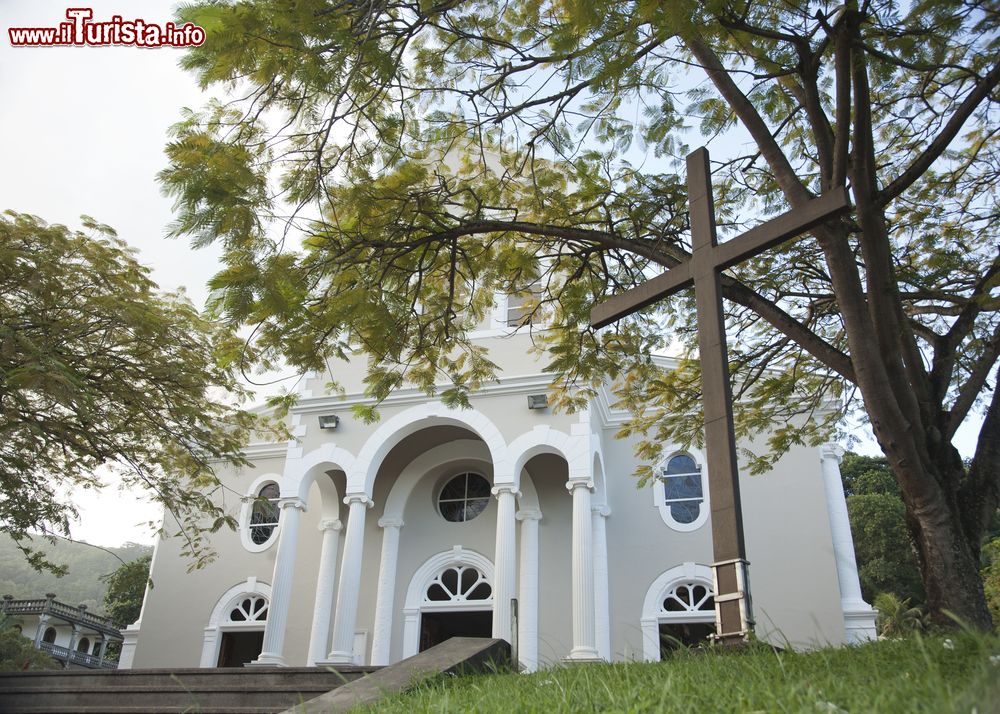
(679, 635)
(436, 627)
(239, 648)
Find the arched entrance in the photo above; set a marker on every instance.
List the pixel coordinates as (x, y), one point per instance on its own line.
(450, 595)
(235, 631)
(679, 610)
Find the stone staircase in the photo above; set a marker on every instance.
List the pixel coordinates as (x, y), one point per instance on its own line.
(248, 690)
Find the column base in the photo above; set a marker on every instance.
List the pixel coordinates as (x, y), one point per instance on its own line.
(337, 658)
(583, 655)
(859, 622)
(266, 659)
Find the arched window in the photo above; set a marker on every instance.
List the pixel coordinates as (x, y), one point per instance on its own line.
(83, 645)
(681, 497)
(458, 583)
(464, 497)
(264, 514)
(252, 608)
(50, 635)
(678, 610)
(689, 597)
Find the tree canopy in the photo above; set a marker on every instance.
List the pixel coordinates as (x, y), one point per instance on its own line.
(126, 589)
(385, 168)
(97, 368)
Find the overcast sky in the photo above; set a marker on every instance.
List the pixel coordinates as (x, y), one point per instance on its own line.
(83, 133)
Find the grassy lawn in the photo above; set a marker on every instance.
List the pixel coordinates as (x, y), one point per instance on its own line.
(920, 674)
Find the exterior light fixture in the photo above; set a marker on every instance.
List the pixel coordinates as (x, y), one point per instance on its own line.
(329, 421)
(538, 401)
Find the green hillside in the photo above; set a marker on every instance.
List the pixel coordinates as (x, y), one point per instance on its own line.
(82, 585)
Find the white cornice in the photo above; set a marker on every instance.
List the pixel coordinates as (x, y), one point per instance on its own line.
(266, 450)
(525, 384)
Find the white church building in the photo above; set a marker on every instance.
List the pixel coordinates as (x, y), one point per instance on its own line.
(366, 543)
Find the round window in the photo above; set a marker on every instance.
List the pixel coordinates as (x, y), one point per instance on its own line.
(464, 497)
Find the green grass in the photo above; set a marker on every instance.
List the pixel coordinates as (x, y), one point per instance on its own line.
(920, 674)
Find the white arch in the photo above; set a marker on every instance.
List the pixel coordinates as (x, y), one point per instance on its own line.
(600, 474)
(413, 473)
(440, 456)
(652, 613)
(543, 439)
(217, 621)
(301, 472)
(422, 579)
(361, 479)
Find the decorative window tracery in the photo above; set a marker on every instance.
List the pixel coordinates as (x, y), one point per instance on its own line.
(458, 583)
(252, 608)
(264, 514)
(688, 597)
(464, 497)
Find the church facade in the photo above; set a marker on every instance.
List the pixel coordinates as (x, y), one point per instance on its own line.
(365, 543)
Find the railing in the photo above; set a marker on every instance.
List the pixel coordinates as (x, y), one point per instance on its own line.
(64, 654)
(39, 606)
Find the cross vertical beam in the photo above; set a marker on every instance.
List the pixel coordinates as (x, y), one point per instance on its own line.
(733, 613)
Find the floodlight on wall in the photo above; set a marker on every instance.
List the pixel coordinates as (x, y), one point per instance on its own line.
(538, 401)
(329, 421)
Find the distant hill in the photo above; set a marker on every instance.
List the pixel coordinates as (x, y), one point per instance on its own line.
(80, 586)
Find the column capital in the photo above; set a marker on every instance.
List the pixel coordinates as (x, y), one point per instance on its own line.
(575, 483)
(831, 450)
(528, 515)
(292, 502)
(330, 524)
(390, 522)
(505, 488)
(361, 498)
(601, 510)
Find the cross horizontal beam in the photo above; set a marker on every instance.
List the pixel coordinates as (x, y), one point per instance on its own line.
(725, 255)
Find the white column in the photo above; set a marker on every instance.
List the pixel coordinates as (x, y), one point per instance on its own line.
(859, 617)
(319, 638)
(382, 637)
(584, 643)
(43, 623)
(602, 610)
(350, 579)
(130, 640)
(281, 584)
(72, 645)
(504, 561)
(527, 624)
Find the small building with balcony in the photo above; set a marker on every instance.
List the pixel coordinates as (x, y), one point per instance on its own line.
(73, 636)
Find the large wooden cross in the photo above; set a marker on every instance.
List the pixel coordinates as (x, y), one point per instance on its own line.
(733, 612)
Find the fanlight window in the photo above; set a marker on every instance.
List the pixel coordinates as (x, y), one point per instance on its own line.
(252, 608)
(689, 597)
(264, 514)
(458, 584)
(464, 497)
(682, 488)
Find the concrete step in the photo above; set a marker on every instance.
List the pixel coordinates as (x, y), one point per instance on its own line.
(207, 691)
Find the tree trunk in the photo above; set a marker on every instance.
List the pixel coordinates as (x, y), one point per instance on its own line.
(949, 563)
